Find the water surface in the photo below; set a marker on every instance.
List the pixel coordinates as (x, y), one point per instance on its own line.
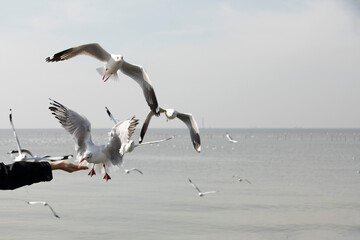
(305, 185)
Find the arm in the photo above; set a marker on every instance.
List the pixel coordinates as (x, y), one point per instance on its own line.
(19, 174)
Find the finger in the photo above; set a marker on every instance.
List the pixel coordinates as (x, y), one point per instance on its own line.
(82, 167)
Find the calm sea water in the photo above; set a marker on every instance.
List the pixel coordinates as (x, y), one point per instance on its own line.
(305, 185)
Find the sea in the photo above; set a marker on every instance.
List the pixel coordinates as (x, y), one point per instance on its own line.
(304, 184)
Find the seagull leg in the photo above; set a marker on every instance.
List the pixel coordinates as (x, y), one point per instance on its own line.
(104, 74)
(108, 77)
(92, 171)
(106, 176)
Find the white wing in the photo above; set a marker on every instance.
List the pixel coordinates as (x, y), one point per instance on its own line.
(22, 151)
(91, 49)
(190, 122)
(124, 130)
(209, 192)
(32, 202)
(50, 158)
(45, 204)
(78, 126)
(156, 141)
(230, 138)
(138, 73)
(15, 135)
(56, 158)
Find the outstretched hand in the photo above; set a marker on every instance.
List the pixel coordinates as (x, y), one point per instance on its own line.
(67, 166)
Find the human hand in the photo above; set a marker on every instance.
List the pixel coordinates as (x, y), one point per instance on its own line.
(67, 166)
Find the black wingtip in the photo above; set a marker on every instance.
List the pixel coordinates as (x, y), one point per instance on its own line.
(67, 157)
(108, 111)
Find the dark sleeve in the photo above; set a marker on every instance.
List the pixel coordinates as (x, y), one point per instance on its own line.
(19, 174)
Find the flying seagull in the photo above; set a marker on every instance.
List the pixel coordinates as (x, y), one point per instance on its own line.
(127, 171)
(45, 204)
(22, 153)
(230, 138)
(170, 114)
(201, 194)
(113, 63)
(107, 155)
(131, 145)
(240, 179)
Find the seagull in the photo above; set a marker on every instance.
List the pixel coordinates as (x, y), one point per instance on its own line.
(45, 204)
(127, 171)
(113, 63)
(230, 138)
(201, 194)
(21, 152)
(131, 145)
(242, 179)
(107, 155)
(39, 158)
(170, 114)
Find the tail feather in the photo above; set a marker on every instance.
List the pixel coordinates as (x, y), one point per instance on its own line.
(101, 70)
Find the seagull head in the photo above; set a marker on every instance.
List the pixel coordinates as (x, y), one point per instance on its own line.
(170, 114)
(87, 156)
(117, 57)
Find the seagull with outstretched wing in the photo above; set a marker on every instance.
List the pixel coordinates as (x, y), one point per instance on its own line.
(170, 114)
(230, 139)
(26, 155)
(45, 204)
(106, 155)
(113, 63)
(201, 194)
(240, 179)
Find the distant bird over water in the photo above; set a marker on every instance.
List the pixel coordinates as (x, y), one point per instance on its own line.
(170, 114)
(45, 204)
(113, 63)
(201, 194)
(240, 179)
(230, 138)
(127, 171)
(107, 155)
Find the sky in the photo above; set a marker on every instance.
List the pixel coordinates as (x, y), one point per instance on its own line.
(232, 64)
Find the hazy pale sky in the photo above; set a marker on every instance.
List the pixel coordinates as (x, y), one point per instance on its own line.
(232, 64)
